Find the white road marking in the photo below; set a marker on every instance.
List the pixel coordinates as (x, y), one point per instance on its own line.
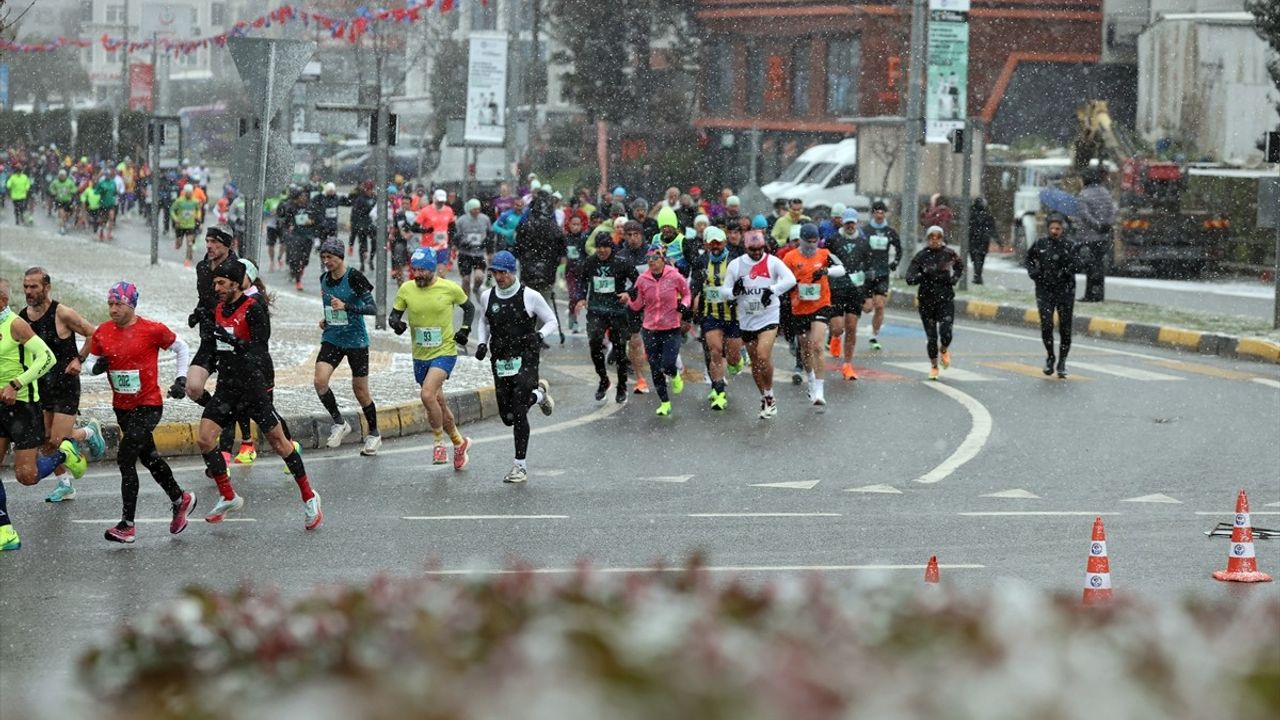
(1124, 372)
(979, 432)
(1030, 513)
(485, 517)
(1268, 382)
(714, 568)
(549, 473)
(1156, 498)
(140, 521)
(1274, 504)
(1016, 493)
(668, 478)
(1252, 512)
(792, 485)
(878, 488)
(954, 373)
(763, 515)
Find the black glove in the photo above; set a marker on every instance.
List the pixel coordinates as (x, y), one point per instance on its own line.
(193, 319)
(481, 350)
(534, 339)
(220, 333)
(99, 367)
(199, 316)
(819, 274)
(178, 389)
(686, 313)
(398, 325)
(893, 266)
(739, 287)
(461, 336)
(766, 297)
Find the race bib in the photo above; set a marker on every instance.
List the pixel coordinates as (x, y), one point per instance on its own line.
(335, 318)
(879, 242)
(571, 252)
(713, 294)
(428, 337)
(224, 347)
(300, 218)
(125, 382)
(187, 214)
(753, 306)
(603, 285)
(809, 291)
(857, 278)
(441, 239)
(474, 240)
(331, 212)
(507, 368)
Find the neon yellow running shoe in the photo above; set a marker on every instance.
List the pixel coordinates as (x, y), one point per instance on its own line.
(75, 462)
(247, 454)
(677, 384)
(664, 409)
(9, 538)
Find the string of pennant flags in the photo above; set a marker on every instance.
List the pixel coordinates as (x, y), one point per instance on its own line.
(349, 28)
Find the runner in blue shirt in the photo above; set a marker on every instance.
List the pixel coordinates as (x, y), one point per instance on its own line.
(347, 297)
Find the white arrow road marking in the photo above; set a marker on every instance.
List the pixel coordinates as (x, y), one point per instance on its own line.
(880, 488)
(979, 432)
(1124, 372)
(951, 374)
(549, 473)
(793, 485)
(668, 478)
(1016, 493)
(1156, 498)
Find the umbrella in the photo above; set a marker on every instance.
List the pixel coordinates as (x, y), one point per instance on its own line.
(1056, 200)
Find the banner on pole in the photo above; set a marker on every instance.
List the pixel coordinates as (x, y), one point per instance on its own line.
(486, 89)
(4, 86)
(947, 72)
(141, 81)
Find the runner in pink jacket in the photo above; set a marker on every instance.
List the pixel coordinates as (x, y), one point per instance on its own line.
(662, 294)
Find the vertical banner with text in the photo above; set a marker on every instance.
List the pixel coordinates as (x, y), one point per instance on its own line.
(947, 73)
(486, 89)
(141, 81)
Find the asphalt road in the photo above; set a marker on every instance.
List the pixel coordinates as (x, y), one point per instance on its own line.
(996, 469)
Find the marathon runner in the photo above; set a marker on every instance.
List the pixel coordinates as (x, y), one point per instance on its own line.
(438, 228)
(242, 331)
(633, 252)
(719, 317)
(63, 193)
(347, 296)
(324, 209)
(296, 226)
(429, 301)
(185, 213)
(812, 267)
(603, 275)
(662, 295)
(57, 325)
(936, 269)
(881, 238)
(217, 252)
(362, 201)
(508, 327)
(126, 348)
(24, 358)
(19, 186)
(757, 281)
(850, 296)
(475, 245)
(1051, 264)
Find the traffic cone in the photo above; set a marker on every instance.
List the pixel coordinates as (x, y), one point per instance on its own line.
(1097, 574)
(1242, 565)
(931, 570)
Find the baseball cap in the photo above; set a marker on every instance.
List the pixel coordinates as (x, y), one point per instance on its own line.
(503, 261)
(808, 231)
(849, 216)
(713, 234)
(440, 195)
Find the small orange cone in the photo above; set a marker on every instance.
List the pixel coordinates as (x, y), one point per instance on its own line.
(931, 570)
(1097, 574)
(1242, 565)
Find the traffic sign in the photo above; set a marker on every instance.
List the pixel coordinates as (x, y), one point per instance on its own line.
(244, 167)
(269, 67)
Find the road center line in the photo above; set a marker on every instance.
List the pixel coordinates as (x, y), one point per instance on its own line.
(140, 521)
(763, 515)
(979, 432)
(485, 517)
(1033, 513)
(715, 569)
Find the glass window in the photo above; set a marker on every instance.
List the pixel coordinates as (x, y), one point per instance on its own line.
(800, 77)
(818, 173)
(719, 87)
(793, 171)
(115, 14)
(842, 75)
(755, 80)
(846, 175)
(218, 14)
(86, 11)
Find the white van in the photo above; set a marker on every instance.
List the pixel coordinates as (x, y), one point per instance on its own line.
(827, 174)
(490, 164)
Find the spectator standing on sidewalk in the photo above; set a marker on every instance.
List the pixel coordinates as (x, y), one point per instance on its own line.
(982, 230)
(1097, 214)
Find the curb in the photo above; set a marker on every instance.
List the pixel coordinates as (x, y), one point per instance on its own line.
(178, 439)
(1204, 343)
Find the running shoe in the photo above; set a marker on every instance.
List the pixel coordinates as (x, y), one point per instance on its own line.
(664, 408)
(298, 286)
(642, 387)
(720, 401)
(186, 264)
(1062, 368)
(337, 433)
(768, 408)
(848, 371)
(797, 376)
(460, 454)
(63, 491)
(734, 369)
(677, 384)
(75, 462)
(548, 404)
(1048, 365)
(93, 438)
(875, 344)
(438, 455)
(711, 394)
(933, 373)
(620, 395)
(246, 455)
(517, 474)
(312, 512)
(181, 510)
(9, 539)
(835, 347)
(602, 389)
(819, 396)
(371, 445)
(946, 359)
(123, 532)
(223, 507)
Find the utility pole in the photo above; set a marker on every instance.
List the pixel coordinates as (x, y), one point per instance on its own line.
(153, 138)
(969, 138)
(379, 248)
(908, 227)
(124, 88)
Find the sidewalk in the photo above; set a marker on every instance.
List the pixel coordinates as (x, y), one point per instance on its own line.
(167, 294)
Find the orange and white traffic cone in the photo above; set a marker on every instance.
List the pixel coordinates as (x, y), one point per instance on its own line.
(931, 570)
(1242, 565)
(1097, 574)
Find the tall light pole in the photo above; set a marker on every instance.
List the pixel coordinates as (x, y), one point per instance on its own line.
(915, 131)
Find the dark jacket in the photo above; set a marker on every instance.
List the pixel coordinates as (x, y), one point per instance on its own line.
(982, 228)
(601, 298)
(1052, 264)
(539, 245)
(936, 272)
